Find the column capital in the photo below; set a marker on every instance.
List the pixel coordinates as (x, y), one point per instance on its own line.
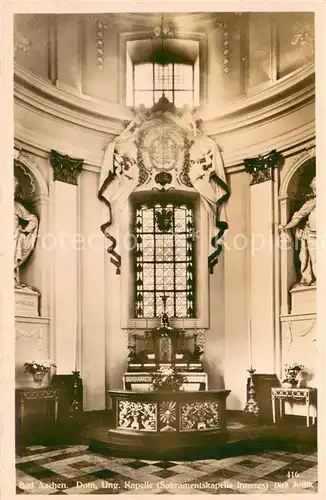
(261, 167)
(65, 168)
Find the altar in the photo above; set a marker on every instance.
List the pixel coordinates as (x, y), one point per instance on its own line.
(164, 424)
(164, 347)
(165, 408)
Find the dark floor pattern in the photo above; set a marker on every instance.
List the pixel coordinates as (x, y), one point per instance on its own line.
(75, 470)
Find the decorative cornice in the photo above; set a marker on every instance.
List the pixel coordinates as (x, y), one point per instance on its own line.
(279, 98)
(86, 112)
(80, 110)
(261, 168)
(289, 143)
(65, 169)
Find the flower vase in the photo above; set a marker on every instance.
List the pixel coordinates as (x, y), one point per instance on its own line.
(290, 383)
(38, 378)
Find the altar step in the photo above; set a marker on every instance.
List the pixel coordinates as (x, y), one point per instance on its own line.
(237, 440)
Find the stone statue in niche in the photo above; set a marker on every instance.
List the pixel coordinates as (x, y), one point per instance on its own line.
(26, 228)
(304, 220)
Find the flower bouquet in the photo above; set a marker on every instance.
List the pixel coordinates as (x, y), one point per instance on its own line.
(38, 369)
(167, 379)
(291, 374)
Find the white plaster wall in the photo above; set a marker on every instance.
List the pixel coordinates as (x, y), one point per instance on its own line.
(116, 345)
(300, 345)
(93, 300)
(262, 277)
(236, 290)
(32, 343)
(214, 354)
(64, 319)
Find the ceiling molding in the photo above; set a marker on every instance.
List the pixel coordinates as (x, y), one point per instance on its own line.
(82, 111)
(86, 112)
(40, 144)
(283, 96)
(288, 144)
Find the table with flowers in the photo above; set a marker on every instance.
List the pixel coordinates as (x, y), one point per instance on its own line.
(26, 395)
(306, 395)
(37, 402)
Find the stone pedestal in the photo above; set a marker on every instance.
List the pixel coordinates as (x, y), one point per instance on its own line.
(303, 299)
(26, 302)
(32, 342)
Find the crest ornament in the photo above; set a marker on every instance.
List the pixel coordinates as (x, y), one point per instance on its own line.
(164, 220)
(161, 148)
(163, 178)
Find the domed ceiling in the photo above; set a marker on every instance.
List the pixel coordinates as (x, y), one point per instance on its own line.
(79, 78)
(238, 54)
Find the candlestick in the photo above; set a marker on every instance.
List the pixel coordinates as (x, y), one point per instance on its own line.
(251, 407)
(250, 343)
(75, 407)
(75, 345)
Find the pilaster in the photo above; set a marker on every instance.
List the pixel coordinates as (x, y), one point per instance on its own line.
(262, 261)
(64, 245)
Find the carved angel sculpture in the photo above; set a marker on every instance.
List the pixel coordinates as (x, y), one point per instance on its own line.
(26, 227)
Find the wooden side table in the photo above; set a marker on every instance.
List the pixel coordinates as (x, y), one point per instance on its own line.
(26, 394)
(307, 395)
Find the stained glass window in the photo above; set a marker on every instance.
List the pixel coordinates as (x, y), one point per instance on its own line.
(164, 259)
(174, 79)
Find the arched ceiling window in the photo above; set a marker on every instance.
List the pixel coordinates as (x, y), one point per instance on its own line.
(154, 69)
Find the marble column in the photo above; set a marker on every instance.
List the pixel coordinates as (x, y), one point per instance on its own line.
(64, 245)
(262, 261)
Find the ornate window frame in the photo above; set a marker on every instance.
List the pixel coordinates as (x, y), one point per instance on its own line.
(144, 35)
(202, 278)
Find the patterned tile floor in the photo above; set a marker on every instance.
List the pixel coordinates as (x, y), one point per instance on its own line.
(75, 470)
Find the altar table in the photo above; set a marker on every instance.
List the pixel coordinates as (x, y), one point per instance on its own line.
(156, 423)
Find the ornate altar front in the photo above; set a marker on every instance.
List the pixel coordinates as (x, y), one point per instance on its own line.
(164, 346)
(164, 424)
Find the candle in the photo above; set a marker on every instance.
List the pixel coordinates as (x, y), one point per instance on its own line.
(75, 345)
(249, 343)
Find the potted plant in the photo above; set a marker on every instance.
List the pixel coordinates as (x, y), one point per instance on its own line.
(167, 379)
(291, 373)
(38, 369)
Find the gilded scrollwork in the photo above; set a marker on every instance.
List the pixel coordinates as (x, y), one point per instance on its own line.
(291, 393)
(65, 169)
(44, 394)
(200, 416)
(261, 167)
(168, 416)
(184, 174)
(143, 173)
(137, 415)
